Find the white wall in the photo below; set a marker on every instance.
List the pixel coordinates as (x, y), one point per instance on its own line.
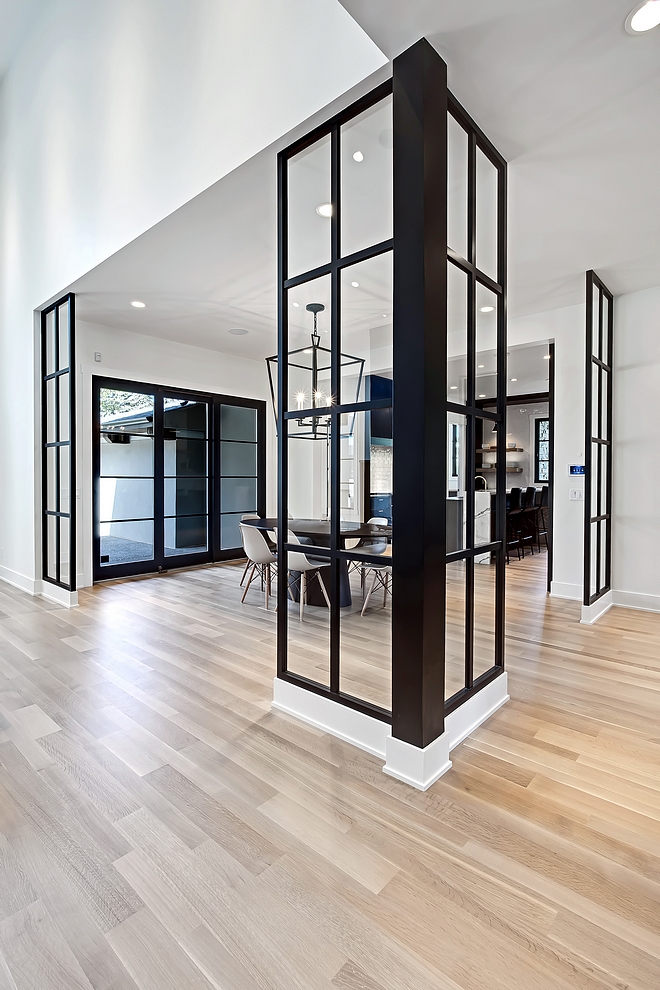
(136, 357)
(636, 494)
(566, 327)
(115, 113)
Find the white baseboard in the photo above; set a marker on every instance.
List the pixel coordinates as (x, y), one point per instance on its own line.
(17, 580)
(418, 767)
(591, 613)
(54, 594)
(632, 599)
(560, 590)
(360, 730)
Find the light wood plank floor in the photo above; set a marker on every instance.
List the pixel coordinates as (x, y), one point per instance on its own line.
(161, 829)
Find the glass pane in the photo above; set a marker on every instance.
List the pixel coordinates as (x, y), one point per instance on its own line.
(485, 485)
(309, 482)
(131, 456)
(595, 393)
(308, 630)
(309, 355)
(185, 534)
(604, 456)
(51, 425)
(605, 353)
(51, 353)
(238, 494)
(126, 542)
(603, 555)
(63, 386)
(63, 337)
(184, 418)
(455, 628)
(366, 330)
(366, 178)
(486, 215)
(595, 471)
(126, 412)
(126, 498)
(366, 481)
(185, 496)
(230, 534)
(457, 186)
(51, 478)
(238, 458)
(64, 456)
(595, 334)
(185, 458)
(456, 481)
(592, 562)
(310, 209)
(51, 547)
(65, 550)
(238, 423)
(457, 283)
(365, 636)
(486, 344)
(484, 617)
(604, 383)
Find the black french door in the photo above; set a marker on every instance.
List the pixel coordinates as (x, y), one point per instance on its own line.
(174, 471)
(598, 441)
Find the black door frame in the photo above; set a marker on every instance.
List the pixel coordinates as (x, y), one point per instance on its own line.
(160, 563)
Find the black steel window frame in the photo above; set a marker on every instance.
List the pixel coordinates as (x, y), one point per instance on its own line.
(473, 408)
(538, 460)
(57, 376)
(333, 268)
(598, 434)
(215, 401)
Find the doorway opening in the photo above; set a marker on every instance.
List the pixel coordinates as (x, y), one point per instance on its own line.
(174, 470)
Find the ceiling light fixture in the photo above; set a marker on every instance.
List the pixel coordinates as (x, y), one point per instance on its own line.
(487, 309)
(358, 156)
(644, 17)
(324, 210)
(138, 304)
(482, 395)
(514, 379)
(546, 357)
(296, 305)
(452, 387)
(356, 285)
(481, 366)
(238, 331)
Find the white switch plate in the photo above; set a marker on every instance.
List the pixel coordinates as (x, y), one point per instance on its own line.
(97, 356)
(576, 494)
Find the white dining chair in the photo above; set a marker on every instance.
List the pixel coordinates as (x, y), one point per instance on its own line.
(367, 544)
(380, 574)
(248, 562)
(304, 564)
(261, 557)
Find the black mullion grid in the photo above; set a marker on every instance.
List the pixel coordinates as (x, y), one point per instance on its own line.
(339, 263)
(599, 434)
(58, 506)
(470, 421)
(335, 421)
(282, 406)
(500, 474)
(609, 474)
(588, 432)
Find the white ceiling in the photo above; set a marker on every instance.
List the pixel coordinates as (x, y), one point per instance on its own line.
(567, 96)
(16, 16)
(572, 102)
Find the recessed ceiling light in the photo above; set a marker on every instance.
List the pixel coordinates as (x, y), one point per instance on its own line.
(481, 366)
(324, 210)
(308, 350)
(452, 387)
(644, 17)
(513, 379)
(487, 309)
(358, 156)
(238, 331)
(546, 357)
(356, 285)
(296, 305)
(138, 304)
(482, 396)
(384, 316)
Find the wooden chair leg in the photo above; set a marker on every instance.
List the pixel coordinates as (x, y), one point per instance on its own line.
(368, 595)
(323, 589)
(303, 593)
(247, 586)
(385, 588)
(245, 570)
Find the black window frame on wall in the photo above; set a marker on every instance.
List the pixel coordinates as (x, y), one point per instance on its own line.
(537, 442)
(473, 410)
(599, 435)
(60, 376)
(333, 268)
(160, 562)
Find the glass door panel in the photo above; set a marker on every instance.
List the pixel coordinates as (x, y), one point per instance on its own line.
(185, 476)
(238, 470)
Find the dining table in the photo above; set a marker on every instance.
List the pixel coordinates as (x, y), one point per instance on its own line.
(316, 532)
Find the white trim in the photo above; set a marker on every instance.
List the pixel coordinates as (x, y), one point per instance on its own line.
(560, 590)
(339, 720)
(53, 593)
(418, 767)
(17, 580)
(633, 599)
(591, 613)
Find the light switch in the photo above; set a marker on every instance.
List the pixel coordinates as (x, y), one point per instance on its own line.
(576, 494)
(97, 356)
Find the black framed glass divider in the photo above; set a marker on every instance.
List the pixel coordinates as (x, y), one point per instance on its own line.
(58, 438)
(367, 480)
(174, 470)
(598, 440)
